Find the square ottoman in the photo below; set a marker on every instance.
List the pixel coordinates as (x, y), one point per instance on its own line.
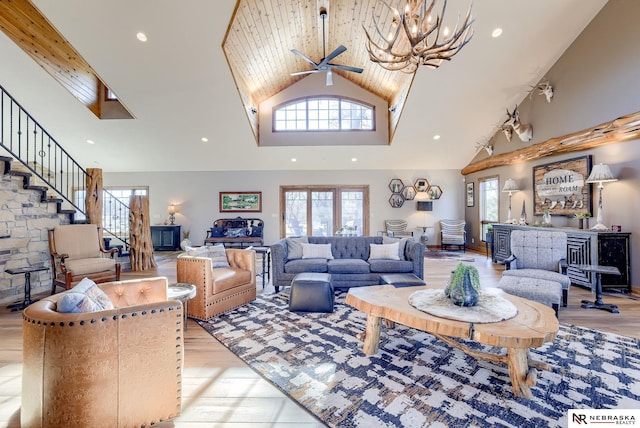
(311, 292)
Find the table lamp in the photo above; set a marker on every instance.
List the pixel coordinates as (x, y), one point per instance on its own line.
(172, 213)
(600, 174)
(510, 186)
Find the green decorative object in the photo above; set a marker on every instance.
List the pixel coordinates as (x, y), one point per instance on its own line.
(463, 287)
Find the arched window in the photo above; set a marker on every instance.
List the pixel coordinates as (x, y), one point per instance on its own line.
(324, 113)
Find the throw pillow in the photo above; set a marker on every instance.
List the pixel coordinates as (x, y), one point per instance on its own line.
(196, 251)
(218, 256)
(217, 232)
(401, 246)
(316, 251)
(384, 251)
(256, 231)
(294, 246)
(86, 296)
(239, 232)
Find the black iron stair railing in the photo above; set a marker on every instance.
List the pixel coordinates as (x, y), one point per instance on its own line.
(29, 143)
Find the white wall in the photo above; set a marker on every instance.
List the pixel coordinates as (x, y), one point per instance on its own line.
(197, 195)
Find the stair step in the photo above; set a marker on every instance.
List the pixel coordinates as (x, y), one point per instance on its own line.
(40, 188)
(19, 173)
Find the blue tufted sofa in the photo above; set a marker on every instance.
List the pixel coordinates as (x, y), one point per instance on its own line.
(350, 266)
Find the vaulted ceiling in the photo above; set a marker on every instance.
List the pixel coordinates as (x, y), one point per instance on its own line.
(206, 62)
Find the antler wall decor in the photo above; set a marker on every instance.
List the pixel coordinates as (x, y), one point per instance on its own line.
(524, 131)
(544, 88)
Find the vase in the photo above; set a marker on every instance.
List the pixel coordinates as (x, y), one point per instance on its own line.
(580, 223)
(185, 243)
(464, 294)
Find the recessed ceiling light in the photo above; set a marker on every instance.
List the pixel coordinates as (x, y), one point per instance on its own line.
(293, 159)
(204, 139)
(354, 159)
(90, 142)
(141, 36)
(496, 32)
(436, 137)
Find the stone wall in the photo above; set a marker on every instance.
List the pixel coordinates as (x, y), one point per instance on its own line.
(24, 221)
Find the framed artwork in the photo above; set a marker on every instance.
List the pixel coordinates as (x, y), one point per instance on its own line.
(240, 202)
(560, 187)
(421, 185)
(396, 185)
(396, 200)
(408, 193)
(470, 195)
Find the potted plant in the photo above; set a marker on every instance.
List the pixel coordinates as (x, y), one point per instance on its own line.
(581, 217)
(464, 286)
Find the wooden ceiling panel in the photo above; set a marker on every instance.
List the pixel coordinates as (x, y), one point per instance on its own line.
(261, 35)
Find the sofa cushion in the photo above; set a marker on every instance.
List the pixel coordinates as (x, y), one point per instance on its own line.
(316, 251)
(227, 278)
(384, 251)
(86, 296)
(294, 246)
(547, 275)
(87, 266)
(306, 265)
(347, 266)
(390, 266)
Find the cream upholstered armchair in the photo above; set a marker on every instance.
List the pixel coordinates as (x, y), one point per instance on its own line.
(119, 367)
(77, 252)
(396, 228)
(453, 233)
(219, 289)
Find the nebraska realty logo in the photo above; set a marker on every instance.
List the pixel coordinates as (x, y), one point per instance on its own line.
(603, 417)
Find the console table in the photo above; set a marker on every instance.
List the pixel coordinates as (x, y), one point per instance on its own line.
(27, 285)
(584, 247)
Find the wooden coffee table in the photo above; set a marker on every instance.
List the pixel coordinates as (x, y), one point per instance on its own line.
(534, 325)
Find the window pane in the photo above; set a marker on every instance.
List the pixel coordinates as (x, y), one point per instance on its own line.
(352, 211)
(323, 114)
(296, 213)
(322, 213)
(489, 203)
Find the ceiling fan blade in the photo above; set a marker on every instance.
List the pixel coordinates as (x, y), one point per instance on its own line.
(304, 57)
(337, 51)
(346, 68)
(298, 73)
(329, 78)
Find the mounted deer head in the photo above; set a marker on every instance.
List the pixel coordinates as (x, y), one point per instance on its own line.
(484, 146)
(544, 88)
(507, 130)
(524, 131)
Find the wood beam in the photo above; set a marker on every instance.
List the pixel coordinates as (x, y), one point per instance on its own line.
(615, 131)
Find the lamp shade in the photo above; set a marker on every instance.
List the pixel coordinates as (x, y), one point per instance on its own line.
(601, 173)
(425, 205)
(510, 186)
(172, 209)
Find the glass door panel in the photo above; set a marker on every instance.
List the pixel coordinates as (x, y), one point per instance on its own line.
(295, 213)
(352, 211)
(322, 217)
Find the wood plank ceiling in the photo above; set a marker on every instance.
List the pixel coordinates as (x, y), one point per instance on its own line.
(23, 23)
(262, 33)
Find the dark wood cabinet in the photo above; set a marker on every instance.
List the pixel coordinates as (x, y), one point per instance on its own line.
(583, 247)
(165, 238)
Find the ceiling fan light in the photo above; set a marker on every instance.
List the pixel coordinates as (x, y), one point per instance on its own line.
(329, 78)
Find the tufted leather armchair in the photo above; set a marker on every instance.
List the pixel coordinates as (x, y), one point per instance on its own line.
(113, 368)
(220, 289)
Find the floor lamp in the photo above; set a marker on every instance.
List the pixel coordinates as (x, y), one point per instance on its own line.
(510, 186)
(600, 174)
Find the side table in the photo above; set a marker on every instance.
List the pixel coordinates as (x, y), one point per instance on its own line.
(18, 306)
(265, 252)
(599, 270)
(183, 292)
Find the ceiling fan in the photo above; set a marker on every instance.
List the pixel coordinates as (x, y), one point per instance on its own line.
(324, 65)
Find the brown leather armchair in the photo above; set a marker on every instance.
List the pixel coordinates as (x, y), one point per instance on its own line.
(220, 289)
(77, 252)
(112, 368)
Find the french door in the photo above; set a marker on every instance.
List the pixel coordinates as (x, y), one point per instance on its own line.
(324, 210)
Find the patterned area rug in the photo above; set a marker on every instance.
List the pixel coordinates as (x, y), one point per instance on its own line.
(447, 255)
(416, 380)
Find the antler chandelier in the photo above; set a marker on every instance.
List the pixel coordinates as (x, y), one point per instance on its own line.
(413, 37)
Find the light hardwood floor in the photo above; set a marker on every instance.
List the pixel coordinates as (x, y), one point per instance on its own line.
(221, 391)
